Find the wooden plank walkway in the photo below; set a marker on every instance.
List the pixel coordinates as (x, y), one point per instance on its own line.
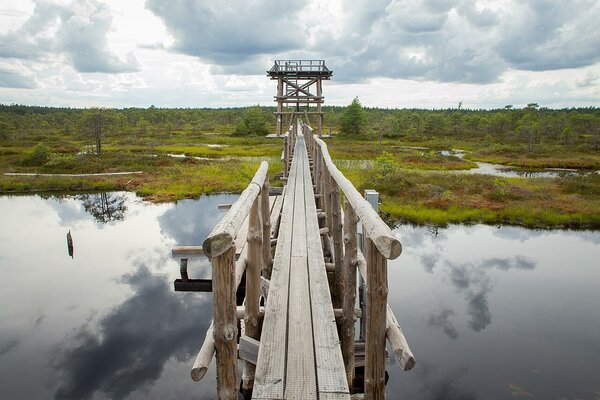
(300, 355)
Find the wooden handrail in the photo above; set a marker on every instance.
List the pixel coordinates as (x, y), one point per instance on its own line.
(381, 235)
(222, 236)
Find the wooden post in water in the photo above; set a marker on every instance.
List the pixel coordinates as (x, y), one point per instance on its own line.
(225, 323)
(376, 323)
(253, 268)
(349, 287)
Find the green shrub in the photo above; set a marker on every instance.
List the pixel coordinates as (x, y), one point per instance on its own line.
(39, 155)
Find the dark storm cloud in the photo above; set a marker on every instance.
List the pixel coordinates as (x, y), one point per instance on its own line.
(231, 32)
(442, 321)
(133, 342)
(12, 79)
(79, 33)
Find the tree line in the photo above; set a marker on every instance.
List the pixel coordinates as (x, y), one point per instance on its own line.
(531, 125)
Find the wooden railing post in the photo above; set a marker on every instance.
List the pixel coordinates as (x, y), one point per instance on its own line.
(285, 156)
(349, 287)
(376, 323)
(266, 230)
(338, 249)
(253, 269)
(225, 323)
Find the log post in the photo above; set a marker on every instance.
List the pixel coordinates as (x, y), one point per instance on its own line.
(327, 197)
(285, 156)
(376, 323)
(253, 269)
(338, 249)
(349, 287)
(205, 355)
(225, 323)
(266, 230)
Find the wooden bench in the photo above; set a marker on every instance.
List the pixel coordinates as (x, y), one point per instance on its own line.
(299, 355)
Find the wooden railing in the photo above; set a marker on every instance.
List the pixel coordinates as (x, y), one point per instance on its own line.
(227, 273)
(379, 245)
(289, 142)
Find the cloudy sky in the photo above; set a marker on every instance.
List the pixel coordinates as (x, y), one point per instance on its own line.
(200, 53)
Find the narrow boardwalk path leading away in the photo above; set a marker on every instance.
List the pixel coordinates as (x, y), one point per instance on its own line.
(300, 352)
(290, 315)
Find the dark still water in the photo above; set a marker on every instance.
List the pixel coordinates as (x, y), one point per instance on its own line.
(490, 313)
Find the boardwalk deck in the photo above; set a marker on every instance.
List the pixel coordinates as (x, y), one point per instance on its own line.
(299, 355)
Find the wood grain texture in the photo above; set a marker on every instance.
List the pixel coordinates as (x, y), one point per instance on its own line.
(398, 343)
(376, 320)
(349, 289)
(225, 323)
(269, 381)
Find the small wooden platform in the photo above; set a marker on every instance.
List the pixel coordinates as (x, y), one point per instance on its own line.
(300, 355)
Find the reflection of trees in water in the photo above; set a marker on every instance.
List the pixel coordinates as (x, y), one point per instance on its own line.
(105, 207)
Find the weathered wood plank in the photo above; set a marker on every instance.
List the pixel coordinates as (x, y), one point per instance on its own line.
(248, 349)
(269, 379)
(186, 250)
(300, 369)
(331, 376)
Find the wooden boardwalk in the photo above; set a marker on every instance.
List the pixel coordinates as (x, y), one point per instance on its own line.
(285, 278)
(300, 354)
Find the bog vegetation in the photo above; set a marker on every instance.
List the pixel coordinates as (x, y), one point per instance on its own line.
(396, 152)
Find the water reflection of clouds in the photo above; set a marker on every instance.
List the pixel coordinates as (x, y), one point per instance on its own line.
(523, 235)
(132, 342)
(7, 345)
(442, 321)
(436, 386)
(191, 221)
(473, 280)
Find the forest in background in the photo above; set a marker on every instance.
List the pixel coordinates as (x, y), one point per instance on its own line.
(532, 126)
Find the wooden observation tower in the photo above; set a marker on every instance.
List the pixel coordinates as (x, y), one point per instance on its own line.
(295, 80)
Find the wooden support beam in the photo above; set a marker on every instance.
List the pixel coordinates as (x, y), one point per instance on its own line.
(376, 320)
(248, 349)
(338, 249)
(253, 270)
(225, 323)
(349, 289)
(204, 356)
(186, 250)
(265, 216)
(398, 343)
